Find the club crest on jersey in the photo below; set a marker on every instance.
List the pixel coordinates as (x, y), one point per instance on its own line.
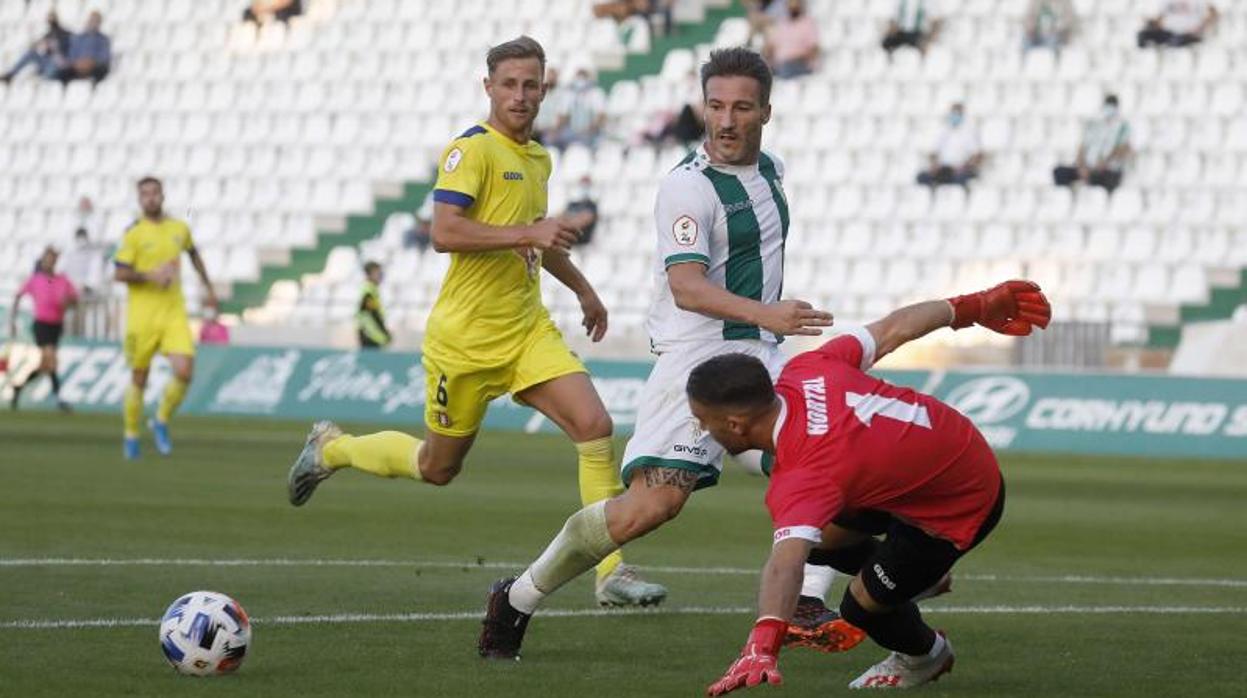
(685, 231)
(452, 159)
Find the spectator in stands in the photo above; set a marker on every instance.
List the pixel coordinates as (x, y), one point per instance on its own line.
(916, 23)
(213, 331)
(583, 201)
(420, 236)
(1178, 23)
(264, 11)
(792, 43)
(546, 124)
(762, 14)
(370, 320)
(1103, 153)
(957, 155)
(84, 263)
(582, 114)
(48, 53)
(1049, 24)
(683, 126)
(90, 53)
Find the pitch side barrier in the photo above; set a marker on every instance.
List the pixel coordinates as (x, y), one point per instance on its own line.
(1046, 412)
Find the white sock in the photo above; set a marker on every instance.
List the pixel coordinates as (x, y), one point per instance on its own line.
(524, 595)
(936, 648)
(818, 579)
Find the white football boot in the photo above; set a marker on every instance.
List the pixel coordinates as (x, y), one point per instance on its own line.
(903, 671)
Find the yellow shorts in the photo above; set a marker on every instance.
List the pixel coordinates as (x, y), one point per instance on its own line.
(143, 341)
(456, 396)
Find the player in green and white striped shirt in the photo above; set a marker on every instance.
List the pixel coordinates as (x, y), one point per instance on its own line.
(721, 219)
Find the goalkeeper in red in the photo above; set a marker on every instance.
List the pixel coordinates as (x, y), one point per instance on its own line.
(857, 458)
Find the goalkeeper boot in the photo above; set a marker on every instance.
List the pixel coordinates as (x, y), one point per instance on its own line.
(906, 671)
(309, 468)
(820, 628)
(502, 631)
(160, 435)
(624, 587)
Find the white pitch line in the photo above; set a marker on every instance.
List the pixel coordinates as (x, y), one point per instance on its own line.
(339, 618)
(498, 565)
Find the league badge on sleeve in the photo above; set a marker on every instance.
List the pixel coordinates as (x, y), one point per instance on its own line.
(452, 159)
(685, 231)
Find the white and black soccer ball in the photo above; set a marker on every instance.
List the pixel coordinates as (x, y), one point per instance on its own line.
(205, 633)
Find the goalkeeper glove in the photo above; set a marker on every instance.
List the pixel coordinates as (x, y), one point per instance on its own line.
(757, 662)
(1013, 308)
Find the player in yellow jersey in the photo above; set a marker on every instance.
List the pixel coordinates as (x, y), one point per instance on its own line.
(488, 333)
(149, 262)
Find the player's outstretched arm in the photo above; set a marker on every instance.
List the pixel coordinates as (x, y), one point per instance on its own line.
(777, 598)
(695, 293)
(564, 269)
(1013, 308)
(455, 232)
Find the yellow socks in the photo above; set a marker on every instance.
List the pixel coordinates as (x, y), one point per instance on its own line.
(132, 411)
(599, 480)
(174, 392)
(384, 454)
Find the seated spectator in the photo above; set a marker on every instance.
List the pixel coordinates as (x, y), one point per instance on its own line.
(683, 126)
(421, 235)
(1049, 24)
(792, 43)
(47, 54)
(582, 113)
(1103, 153)
(762, 14)
(582, 201)
(916, 24)
(547, 121)
(1178, 23)
(265, 11)
(212, 331)
(957, 155)
(90, 53)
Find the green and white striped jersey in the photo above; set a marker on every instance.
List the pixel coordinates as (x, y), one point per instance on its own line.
(731, 219)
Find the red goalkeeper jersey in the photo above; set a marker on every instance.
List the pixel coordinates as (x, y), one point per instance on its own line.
(847, 441)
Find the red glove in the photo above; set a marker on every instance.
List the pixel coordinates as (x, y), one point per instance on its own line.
(1013, 308)
(757, 661)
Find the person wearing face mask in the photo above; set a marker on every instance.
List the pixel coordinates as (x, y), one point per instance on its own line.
(582, 201)
(1103, 153)
(1048, 24)
(957, 155)
(582, 112)
(792, 43)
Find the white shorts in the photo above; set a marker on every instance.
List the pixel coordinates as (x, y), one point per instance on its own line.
(666, 434)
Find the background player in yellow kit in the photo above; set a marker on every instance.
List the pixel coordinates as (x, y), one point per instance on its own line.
(488, 333)
(149, 262)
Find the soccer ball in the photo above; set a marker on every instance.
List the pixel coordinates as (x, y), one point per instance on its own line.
(205, 633)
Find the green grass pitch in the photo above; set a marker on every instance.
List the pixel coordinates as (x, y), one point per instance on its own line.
(1107, 576)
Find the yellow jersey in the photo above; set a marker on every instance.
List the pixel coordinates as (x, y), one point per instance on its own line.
(146, 246)
(489, 301)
